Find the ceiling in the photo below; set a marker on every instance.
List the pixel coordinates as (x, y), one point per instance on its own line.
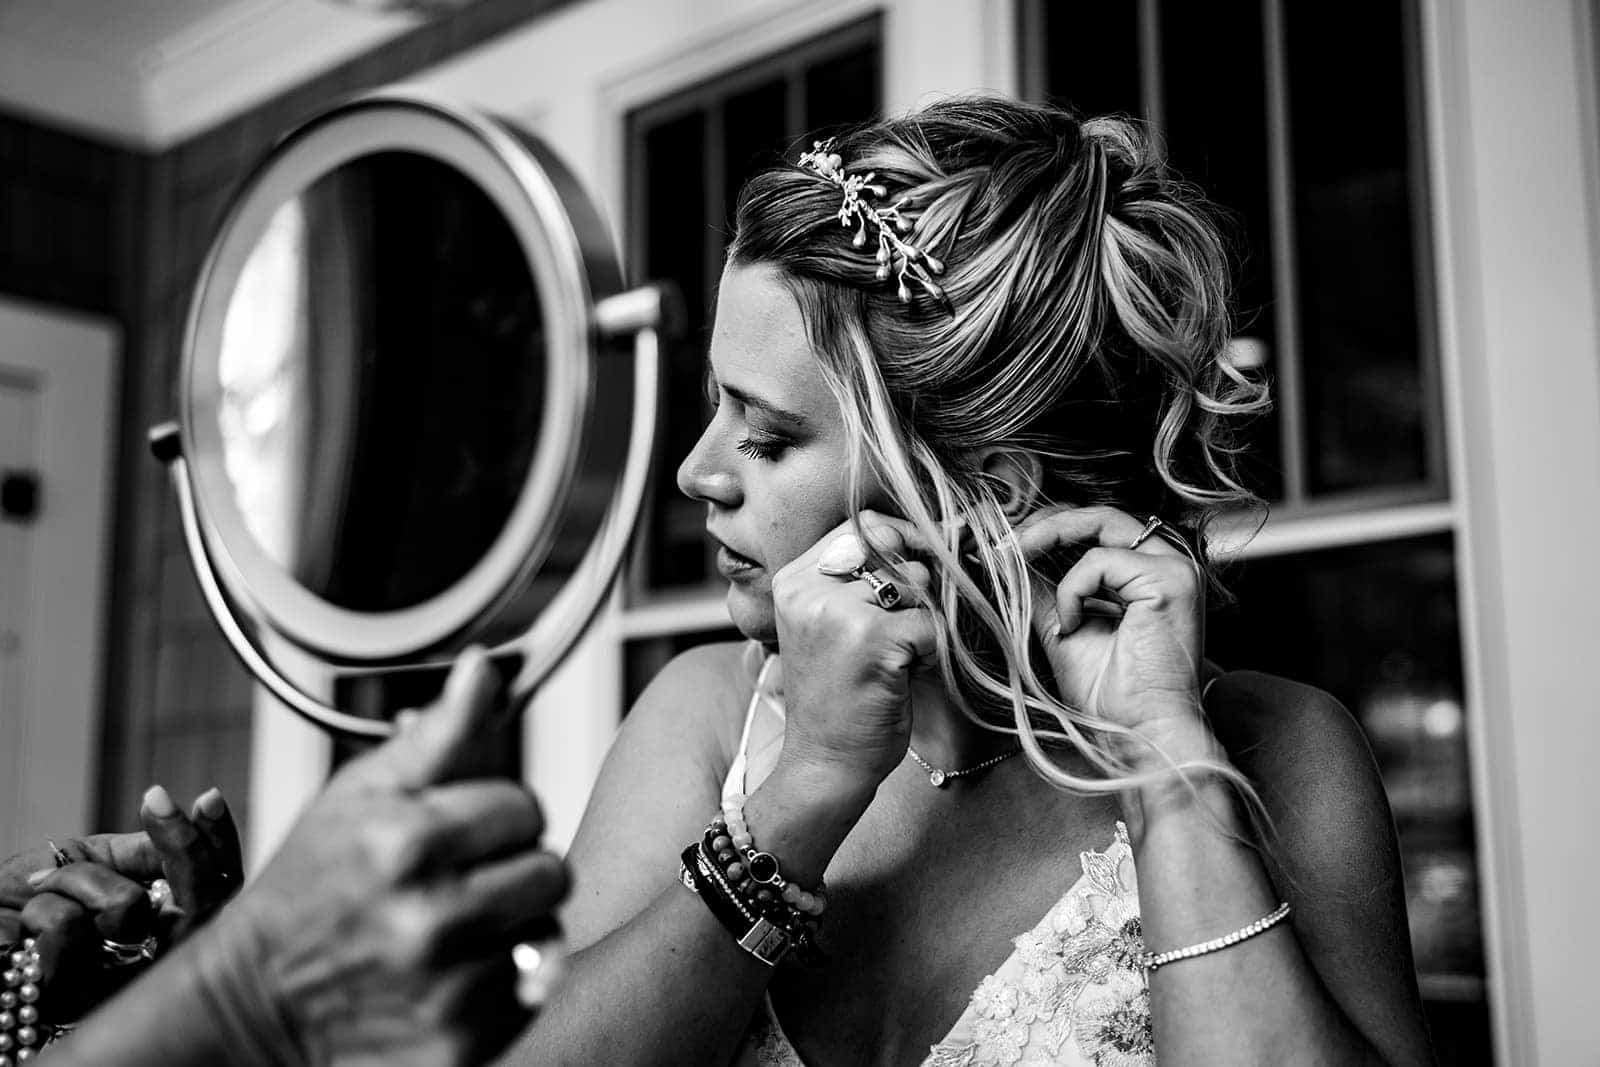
(149, 73)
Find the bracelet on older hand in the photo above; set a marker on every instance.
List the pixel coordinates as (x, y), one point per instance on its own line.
(1151, 961)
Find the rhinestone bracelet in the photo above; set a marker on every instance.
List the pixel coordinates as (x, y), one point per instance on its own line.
(1150, 961)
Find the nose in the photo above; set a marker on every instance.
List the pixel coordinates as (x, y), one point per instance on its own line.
(705, 474)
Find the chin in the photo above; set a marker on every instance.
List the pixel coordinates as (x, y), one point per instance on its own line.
(752, 613)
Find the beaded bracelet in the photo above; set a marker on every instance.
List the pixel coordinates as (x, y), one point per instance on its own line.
(756, 934)
(758, 872)
(1150, 961)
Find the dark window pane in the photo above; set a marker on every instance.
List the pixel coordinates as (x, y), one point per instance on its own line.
(842, 90)
(693, 153)
(754, 124)
(1350, 132)
(1376, 625)
(1091, 51)
(673, 163)
(1215, 124)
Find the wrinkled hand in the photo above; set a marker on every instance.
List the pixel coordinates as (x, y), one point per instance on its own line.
(848, 661)
(1122, 628)
(382, 930)
(102, 894)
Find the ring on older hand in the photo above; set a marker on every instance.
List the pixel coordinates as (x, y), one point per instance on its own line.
(160, 891)
(123, 954)
(1151, 525)
(61, 858)
(887, 592)
(540, 968)
(844, 556)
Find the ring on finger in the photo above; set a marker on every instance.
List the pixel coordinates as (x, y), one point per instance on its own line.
(61, 858)
(126, 954)
(887, 593)
(160, 891)
(1151, 525)
(540, 969)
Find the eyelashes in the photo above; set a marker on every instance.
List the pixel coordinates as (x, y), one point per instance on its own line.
(758, 449)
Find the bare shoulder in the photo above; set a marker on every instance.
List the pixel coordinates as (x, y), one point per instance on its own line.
(1311, 762)
(701, 692)
(1285, 727)
(1331, 847)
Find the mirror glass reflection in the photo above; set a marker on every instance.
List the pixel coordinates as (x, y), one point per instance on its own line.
(382, 367)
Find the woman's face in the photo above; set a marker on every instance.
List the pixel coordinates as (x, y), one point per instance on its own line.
(771, 465)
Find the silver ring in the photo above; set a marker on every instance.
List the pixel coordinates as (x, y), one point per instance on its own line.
(1151, 525)
(160, 892)
(61, 858)
(124, 954)
(886, 592)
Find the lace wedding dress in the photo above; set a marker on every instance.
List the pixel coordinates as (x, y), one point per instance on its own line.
(1071, 994)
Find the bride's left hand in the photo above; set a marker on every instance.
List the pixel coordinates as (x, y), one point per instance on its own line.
(1123, 627)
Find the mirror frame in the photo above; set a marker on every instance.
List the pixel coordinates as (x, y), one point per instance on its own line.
(596, 332)
(565, 271)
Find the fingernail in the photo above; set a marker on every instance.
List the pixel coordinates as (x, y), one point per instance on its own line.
(211, 804)
(467, 666)
(39, 876)
(159, 803)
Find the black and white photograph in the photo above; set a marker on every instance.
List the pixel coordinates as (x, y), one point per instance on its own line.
(794, 533)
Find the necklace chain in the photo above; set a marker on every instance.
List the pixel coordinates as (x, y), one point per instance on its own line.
(937, 776)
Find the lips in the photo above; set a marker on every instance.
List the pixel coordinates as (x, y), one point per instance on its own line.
(729, 559)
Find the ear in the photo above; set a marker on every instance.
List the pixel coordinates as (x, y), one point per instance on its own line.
(1017, 474)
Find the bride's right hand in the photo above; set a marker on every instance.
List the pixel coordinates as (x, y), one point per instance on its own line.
(847, 659)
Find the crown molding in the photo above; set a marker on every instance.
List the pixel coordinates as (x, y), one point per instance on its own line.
(151, 91)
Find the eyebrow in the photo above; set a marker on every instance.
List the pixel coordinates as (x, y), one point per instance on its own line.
(750, 400)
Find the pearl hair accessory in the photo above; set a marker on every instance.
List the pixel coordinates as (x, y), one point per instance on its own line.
(895, 253)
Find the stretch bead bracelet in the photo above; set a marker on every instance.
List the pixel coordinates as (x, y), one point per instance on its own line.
(751, 869)
(767, 939)
(1151, 961)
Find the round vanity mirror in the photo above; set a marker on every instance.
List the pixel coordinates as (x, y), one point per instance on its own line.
(407, 362)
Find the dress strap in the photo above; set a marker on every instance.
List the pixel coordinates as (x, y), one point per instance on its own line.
(735, 781)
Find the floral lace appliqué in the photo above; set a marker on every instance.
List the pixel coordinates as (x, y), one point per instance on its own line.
(1073, 992)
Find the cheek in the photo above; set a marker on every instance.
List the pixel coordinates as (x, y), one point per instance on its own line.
(799, 514)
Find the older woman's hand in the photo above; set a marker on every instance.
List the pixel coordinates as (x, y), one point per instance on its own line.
(98, 890)
(382, 930)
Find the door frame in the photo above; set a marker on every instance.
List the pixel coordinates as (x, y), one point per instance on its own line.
(73, 359)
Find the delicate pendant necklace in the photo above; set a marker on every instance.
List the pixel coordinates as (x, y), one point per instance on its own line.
(937, 777)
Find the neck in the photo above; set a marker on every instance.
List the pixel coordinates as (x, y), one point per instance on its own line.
(943, 735)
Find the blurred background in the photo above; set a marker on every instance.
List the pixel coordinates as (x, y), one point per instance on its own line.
(1416, 190)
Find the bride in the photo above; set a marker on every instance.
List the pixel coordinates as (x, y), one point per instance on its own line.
(971, 793)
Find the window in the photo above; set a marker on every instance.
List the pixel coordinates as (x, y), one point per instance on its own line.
(688, 156)
(1305, 122)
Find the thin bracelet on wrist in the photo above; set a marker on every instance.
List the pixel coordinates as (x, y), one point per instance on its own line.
(1151, 961)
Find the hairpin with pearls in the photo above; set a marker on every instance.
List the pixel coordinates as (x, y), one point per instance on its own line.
(895, 253)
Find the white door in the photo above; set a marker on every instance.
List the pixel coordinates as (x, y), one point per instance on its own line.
(18, 428)
(57, 424)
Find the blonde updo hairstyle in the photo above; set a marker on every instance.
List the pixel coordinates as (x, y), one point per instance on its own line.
(1086, 322)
